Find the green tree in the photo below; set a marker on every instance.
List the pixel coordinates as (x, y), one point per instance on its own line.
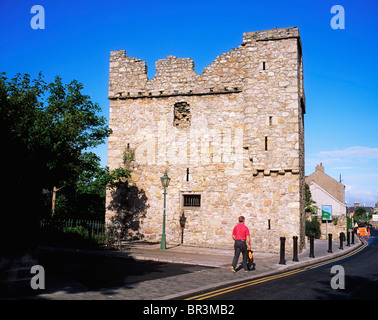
(360, 214)
(56, 124)
(90, 191)
(47, 131)
(309, 203)
(22, 162)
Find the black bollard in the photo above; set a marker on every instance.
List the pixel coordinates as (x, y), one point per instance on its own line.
(312, 237)
(341, 240)
(348, 239)
(282, 251)
(330, 242)
(295, 248)
(182, 225)
(352, 237)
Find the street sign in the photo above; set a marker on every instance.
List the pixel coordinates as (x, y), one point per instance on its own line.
(375, 217)
(327, 213)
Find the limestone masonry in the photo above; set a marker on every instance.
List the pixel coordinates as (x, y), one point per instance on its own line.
(231, 139)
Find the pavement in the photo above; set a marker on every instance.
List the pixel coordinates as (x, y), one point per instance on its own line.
(216, 275)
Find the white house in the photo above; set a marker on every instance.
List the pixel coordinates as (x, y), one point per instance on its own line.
(324, 198)
(339, 221)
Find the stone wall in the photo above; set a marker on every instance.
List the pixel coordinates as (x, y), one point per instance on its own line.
(337, 225)
(239, 143)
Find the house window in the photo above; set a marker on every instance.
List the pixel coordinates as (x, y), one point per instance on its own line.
(181, 115)
(191, 200)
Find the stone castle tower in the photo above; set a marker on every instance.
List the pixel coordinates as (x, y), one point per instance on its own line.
(231, 139)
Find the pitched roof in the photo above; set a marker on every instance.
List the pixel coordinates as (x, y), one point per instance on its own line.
(329, 184)
(368, 209)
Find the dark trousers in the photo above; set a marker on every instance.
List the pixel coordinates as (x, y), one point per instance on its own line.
(240, 246)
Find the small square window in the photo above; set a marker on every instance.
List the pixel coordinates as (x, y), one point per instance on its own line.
(191, 200)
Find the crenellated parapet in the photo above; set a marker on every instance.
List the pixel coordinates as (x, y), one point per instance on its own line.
(128, 76)
(228, 72)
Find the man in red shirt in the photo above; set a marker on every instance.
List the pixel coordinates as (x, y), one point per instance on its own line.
(241, 236)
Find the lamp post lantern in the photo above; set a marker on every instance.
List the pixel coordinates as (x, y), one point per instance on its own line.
(164, 182)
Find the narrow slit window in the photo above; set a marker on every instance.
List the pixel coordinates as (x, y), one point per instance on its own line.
(263, 65)
(270, 120)
(266, 143)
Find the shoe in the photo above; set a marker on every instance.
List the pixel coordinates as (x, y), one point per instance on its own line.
(246, 270)
(233, 269)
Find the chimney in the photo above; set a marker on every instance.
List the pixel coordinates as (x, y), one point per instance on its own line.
(320, 167)
(356, 204)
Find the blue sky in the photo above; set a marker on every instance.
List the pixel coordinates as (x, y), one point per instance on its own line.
(340, 66)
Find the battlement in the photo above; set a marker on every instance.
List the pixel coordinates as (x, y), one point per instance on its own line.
(172, 65)
(230, 71)
(128, 77)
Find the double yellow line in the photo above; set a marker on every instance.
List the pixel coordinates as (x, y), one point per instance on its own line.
(243, 285)
(269, 278)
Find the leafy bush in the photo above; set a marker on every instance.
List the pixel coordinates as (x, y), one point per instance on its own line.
(78, 230)
(70, 237)
(74, 237)
(349, 223)
(313, 227)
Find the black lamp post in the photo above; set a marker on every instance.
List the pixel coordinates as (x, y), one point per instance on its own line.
(164, 182)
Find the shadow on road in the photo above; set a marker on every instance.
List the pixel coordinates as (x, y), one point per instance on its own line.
(73, 272)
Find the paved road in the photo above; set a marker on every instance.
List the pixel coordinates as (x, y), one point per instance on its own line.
(100, 273)
(361, 281)
(142, 271)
